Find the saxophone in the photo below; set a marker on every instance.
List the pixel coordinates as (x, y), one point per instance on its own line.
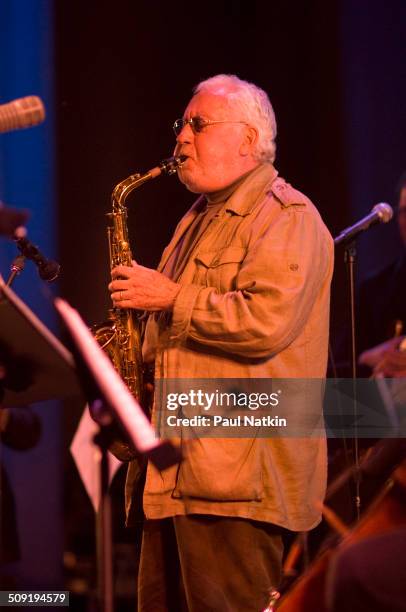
(120, 336)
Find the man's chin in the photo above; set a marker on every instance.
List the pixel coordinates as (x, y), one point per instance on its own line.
(189, 183)
(193, 189)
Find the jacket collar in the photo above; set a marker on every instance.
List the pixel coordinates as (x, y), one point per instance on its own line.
(243, 200)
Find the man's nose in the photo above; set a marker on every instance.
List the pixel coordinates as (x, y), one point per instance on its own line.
(186, 135)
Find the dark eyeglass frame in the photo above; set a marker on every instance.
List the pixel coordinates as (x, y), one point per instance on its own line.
(198, 124)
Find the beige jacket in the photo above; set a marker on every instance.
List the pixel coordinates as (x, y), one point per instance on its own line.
(254, 303)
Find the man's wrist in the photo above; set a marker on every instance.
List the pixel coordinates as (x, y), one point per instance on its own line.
(174, 294)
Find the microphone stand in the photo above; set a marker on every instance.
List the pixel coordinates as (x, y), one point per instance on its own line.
(47, 268)
(350, 258)
(16, 268)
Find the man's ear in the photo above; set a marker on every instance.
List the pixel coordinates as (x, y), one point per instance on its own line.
(249, 142)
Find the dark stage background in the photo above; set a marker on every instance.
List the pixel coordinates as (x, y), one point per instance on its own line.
(334, 71)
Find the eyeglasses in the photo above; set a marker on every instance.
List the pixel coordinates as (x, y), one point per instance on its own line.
(197, 124)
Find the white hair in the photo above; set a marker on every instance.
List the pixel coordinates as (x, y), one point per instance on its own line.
(254, 106)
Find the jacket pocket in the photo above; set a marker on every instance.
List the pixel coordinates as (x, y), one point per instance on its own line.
(221, 470)
(220, 268)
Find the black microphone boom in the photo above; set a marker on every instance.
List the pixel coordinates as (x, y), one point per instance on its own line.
(381, 213)
(47, 268)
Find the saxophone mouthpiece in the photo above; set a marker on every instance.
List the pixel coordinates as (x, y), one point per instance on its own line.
(167, 166)
(170, 165)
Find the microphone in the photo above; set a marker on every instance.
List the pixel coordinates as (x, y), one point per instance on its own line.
(381, 213)
(21, 113)
(47, 268)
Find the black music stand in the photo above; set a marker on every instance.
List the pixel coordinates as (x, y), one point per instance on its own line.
(37, 366)
(108, 396)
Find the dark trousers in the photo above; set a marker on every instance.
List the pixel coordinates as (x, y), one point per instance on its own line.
(201, 563)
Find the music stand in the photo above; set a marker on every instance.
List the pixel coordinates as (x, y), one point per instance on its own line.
(37, 366)
(106, 391)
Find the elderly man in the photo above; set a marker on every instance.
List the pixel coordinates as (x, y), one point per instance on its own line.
(242, 292)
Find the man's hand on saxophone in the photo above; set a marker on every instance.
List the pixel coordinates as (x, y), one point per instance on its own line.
(142, 288)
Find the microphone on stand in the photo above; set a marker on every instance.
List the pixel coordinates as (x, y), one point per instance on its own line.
(381, 213)
(21, 113)
(47, 268)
